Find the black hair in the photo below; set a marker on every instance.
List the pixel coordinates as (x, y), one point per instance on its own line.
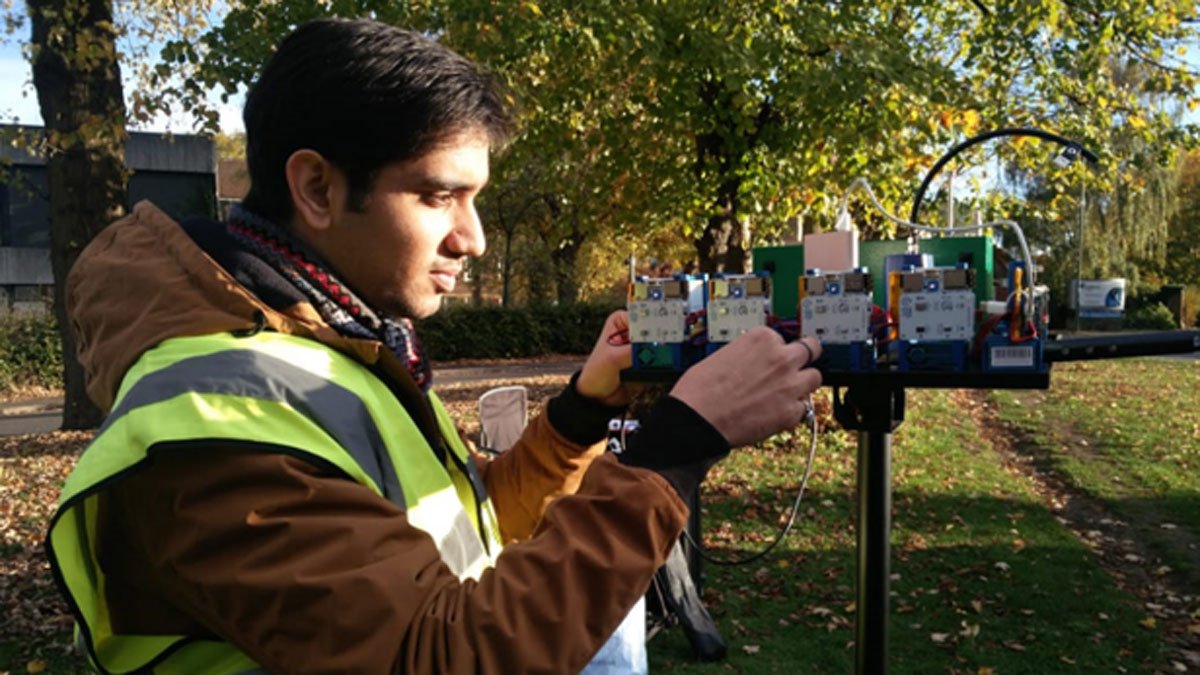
(362, 94)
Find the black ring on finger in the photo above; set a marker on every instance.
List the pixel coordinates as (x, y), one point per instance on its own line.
(808, 361)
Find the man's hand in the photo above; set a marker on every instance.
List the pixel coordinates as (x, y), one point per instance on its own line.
(601, 376)
(753, 387)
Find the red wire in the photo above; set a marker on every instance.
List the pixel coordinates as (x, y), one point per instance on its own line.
(984, 331)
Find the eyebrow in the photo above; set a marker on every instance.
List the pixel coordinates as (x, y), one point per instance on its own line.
(434, 184)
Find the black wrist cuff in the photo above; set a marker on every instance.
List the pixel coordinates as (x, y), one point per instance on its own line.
(673, 435)
(686, 478)
(580, 419)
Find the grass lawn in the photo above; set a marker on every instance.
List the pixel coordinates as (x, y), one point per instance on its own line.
(987, 577)
(1128, 434)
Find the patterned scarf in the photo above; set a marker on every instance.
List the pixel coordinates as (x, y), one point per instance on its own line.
(336, 303)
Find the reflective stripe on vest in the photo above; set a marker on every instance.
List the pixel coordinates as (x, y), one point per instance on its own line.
(277, 391)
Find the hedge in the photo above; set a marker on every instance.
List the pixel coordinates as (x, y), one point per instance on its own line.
(31, 355)
(494, 332)
(1150, 317)
(30, 351)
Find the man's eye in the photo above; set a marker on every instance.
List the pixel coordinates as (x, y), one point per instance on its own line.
(438, 198)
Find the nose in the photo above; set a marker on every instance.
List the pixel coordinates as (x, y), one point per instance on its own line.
(466, 238)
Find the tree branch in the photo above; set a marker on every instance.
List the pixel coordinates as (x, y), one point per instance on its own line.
(1151, 61)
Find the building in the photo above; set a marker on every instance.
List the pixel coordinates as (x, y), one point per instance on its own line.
(177, 172)
(233, 183)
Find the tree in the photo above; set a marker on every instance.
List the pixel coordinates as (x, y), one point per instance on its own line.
(73, 50)
(1180, 262)
(725, 120)
(78, 82)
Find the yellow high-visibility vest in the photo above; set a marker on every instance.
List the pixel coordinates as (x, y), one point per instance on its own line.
(279, 391)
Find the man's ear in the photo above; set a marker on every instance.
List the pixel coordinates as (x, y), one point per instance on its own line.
(318, 189)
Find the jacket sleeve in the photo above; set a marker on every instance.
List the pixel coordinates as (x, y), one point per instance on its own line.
(308, 572)
(548, 461)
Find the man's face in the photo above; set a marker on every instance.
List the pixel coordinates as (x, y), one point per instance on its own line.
(418, 224)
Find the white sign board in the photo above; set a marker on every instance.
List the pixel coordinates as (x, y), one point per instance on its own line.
(1100, 297)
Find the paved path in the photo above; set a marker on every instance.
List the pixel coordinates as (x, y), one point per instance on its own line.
(38, 416)
(503, 371)
(35, 416)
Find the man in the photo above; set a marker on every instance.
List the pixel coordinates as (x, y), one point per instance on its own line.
(277, 489)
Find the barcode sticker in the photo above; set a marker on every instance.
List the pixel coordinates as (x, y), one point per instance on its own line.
(1012, 357)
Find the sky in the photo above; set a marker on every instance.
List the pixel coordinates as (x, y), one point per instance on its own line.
(18, 100)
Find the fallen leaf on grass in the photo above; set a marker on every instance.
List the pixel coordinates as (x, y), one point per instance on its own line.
(939, 638)
(750, 649)
(35, 467)
(1149, 623)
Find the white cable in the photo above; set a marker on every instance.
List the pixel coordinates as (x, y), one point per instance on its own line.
(811, 416)
(862, 184)
(843, 223)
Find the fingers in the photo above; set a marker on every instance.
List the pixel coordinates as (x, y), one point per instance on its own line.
(618, 320)
(810, 381)
(814, 346)
(801, 383)
(615, 332)
(804, 353)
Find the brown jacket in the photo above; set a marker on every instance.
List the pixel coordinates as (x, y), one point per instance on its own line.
(308, 572)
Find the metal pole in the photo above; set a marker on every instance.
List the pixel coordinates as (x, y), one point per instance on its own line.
(874, 528)
(1079, 266)
(950, 198)
(695, 560)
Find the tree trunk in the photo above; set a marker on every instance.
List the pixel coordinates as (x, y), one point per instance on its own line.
(565, 258)
(723, 245)
(78, 82)
(506, 270)
(478, 281)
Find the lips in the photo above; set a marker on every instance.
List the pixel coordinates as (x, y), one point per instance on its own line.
(445, 280)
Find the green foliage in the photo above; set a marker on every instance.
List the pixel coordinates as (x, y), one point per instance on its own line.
(1139, 294)
(1182, 262)
(496, 332)
(1154, 316)
(30, 352)
(230, 146)
(698, 118)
